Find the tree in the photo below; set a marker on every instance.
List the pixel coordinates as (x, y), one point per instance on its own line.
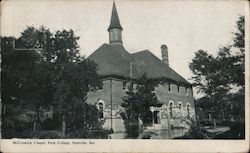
(216, 76)
(20, 74)
(146, 98)
(137, 104)
(239, 43)
(71, 76)
(45, 69)
(131, 113)
(71, 91)
(239, 36)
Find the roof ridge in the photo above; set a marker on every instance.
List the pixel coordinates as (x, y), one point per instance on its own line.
(146, 50)
(149, 52)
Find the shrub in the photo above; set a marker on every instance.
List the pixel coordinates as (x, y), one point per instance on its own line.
(196, 132)
(47, 134)
(89, 134)
(12, 128)
(237, 131)
(51, 124)
(206, 123)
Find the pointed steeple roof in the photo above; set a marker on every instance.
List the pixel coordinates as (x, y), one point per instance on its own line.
(115, 22)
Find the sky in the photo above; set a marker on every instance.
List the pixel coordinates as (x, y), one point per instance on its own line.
(184, 26)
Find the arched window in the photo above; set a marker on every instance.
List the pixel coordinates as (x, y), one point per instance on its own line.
(171, 108)
(188, 110)
(180, 105)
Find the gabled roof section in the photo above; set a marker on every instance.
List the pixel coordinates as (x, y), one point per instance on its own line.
(115, 60)
(146, 62)
(112, 60)
(115, 22)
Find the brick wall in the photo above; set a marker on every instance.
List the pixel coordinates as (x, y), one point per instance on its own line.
(104, 94)
(175, 95)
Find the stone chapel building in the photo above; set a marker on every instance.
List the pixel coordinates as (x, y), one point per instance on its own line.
(116, 65)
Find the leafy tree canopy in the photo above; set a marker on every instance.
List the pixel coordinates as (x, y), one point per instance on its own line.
(137, 102)
(219, 76)
(41, 69)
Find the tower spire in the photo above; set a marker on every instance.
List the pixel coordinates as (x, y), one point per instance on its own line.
(115, 22)
(115, 28)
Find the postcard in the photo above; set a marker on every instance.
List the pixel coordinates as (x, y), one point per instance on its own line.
(124, 76)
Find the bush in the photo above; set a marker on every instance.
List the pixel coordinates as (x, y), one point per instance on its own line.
(16, 129)
(225, 123)
(51, 124)
(196, 132)
(237, 131)
(132, 131)
(47, 134)
(89, 134)
(206, 123)
(147, 135)
(132, 128)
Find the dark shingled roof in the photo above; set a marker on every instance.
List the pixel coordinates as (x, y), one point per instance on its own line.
(115, 22)
(111, 60)
(146, 62)
(115, 60)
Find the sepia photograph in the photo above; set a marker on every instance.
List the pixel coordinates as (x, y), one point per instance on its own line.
(122, 69)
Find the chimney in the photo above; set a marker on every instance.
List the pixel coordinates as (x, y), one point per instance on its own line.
(164, 54)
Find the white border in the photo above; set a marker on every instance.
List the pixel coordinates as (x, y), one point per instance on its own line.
(146, 145)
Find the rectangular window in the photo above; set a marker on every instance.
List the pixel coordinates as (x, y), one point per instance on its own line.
(131, 86)
(124, 85)
(156, 117)
(169, 88)
(178, 88)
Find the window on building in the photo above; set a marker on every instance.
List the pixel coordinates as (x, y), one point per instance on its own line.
(100, 110)
(124, 85)
(169, 88)
(100, 106)
(180, 106)
(156, 117)
(131, 86)
(171, 109)
(134, 86)
(178, 88)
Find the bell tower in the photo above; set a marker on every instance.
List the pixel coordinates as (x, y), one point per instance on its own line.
(115, 28)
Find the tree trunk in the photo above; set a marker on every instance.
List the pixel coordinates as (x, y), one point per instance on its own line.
(37, 118)
(34, 126)
(223, 115)
(63, 126)
(214, 123)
